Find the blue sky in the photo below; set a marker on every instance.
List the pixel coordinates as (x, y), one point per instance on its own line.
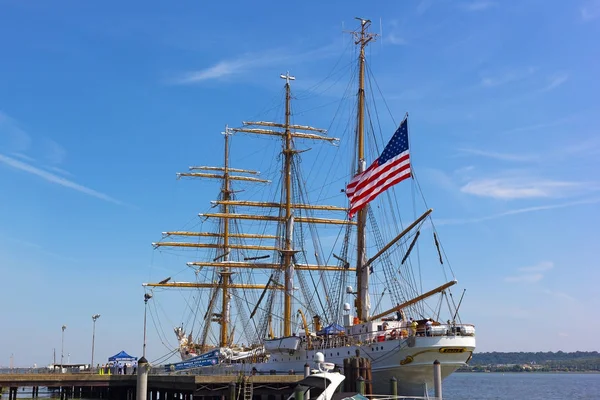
(102, 102)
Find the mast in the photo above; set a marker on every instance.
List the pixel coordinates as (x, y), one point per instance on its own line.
(225, 272)
(362, 270)
(228, 241)
(288, 132)
(289, 219)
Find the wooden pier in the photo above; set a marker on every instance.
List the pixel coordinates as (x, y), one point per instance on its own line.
(160, 387)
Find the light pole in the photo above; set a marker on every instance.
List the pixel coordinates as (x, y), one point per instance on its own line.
(62, 347)
(147, 296)
(94, 318)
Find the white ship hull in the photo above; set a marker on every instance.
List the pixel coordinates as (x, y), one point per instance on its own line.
(409, 360)
(412, 366)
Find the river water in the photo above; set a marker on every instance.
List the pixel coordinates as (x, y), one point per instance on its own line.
(521, 386)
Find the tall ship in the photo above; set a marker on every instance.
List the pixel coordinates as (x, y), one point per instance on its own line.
(280, 276)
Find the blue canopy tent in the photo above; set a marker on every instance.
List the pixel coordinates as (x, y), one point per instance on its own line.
(122, 356)
(332, 329)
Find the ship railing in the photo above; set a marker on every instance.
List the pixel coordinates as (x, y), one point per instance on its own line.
(382, 335)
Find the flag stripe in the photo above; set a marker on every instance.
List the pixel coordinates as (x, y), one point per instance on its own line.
(371, 174)
(401, 173)
(389, 183)
(403, 169)
(391, 167)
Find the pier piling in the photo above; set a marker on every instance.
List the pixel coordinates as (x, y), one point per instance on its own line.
(394, 386)
(142, 379)
(437, 379)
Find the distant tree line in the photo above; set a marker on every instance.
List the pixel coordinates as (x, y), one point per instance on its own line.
(579, 361)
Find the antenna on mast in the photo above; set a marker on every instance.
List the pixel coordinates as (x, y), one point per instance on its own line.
(381, 31)
(287, 77)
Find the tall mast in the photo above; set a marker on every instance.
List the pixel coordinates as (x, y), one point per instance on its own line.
(288, 132)
(289, 219)
(225, 272)
(362, 270)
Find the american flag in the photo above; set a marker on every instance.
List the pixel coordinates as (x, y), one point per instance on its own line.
(392, 166)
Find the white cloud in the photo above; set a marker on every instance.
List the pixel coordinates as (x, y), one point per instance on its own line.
(507, 77)
(587, 147)
(478, 5)
(24, 157)
(500, 156)
(60, 171)
(525, 278)
(394, 38)
(423, 6)
(591, 10)
(14, 163)
(12, 137)
(531, 274)
(219, 70)
(559, 295)
(53, 152)
(556, 81)
(539, 267)
(516, 211)
(249, 61)
(16, 141)
(521, 188)
(539, 126)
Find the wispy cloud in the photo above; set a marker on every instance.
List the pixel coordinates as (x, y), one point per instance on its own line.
(14, 163)
(394, 38)
(516, 212)
(525, 278)
(587, 147)
(60, 171)
(423, 6)
(539, 267)
(220, 70)
(478, 5)
(500, 156)
(559, 295)
(249, 61)
(54, 152)
(12, 137)
(556, 81)
(543, 125)
(507, 77)
(590, 10)
(522, 188)
(17, 142)
(531, 274)
(24, 157)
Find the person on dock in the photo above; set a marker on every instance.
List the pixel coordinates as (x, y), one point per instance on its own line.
(125, 369)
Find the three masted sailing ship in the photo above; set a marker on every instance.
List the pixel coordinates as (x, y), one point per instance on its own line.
(252, 293)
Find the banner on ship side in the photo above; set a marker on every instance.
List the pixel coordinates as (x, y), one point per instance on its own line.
(203, 360)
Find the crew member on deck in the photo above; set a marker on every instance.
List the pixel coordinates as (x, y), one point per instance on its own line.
(413, 327)
(428, 326)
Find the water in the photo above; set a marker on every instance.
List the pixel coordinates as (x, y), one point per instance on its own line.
(525, 386)
(497, 386)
